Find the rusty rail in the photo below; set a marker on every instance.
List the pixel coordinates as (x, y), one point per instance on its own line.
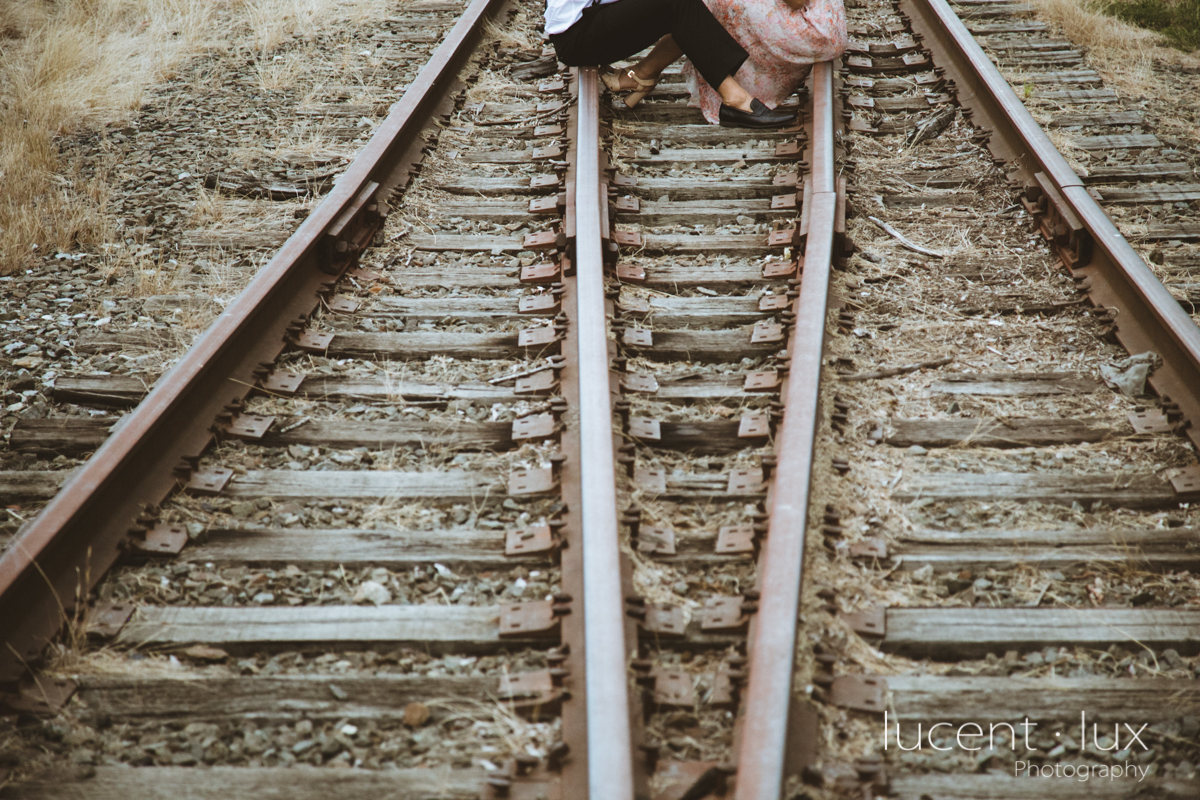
(767, 708)
(69, 546)
(609, 749)
(1114, 275)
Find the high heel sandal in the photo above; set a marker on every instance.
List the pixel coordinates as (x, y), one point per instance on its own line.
(613, 81)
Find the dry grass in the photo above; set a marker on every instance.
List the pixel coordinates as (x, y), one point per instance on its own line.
(1124, 50)
(75, 65)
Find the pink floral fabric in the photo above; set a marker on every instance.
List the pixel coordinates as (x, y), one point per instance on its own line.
(783, 43)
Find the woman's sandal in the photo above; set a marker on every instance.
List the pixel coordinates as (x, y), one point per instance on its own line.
(613, 81)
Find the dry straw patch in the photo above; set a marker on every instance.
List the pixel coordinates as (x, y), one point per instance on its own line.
(74, 65)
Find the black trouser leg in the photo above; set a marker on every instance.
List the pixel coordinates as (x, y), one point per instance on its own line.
(614, 31)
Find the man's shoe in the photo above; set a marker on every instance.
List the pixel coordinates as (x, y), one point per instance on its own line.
(759, 116)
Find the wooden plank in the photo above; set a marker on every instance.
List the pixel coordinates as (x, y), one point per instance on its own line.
(1166, 193)
(473, 308)
(228, 783)
(120, 391)
(1129, 490)
(448, 628)
(25, 485)
(1137, 172)
(686, 157)
(954, 633)
(492, 186)
(729, 187)
(448, 485)
(1159, 232)
(935, 697)
(1014, 384)
(954, 551)
(125, 341)
(276, 698)
(1125, 141)
(702, 437)
(966, 786)
(705, 212)
(694, 312)
(991, 29)
(692, 135)
(704, 346)
(741, 245)
(466, 243)
(659, 113)
(1076, 96)
(949, 432)
(674, 275)
(423, 344)
(317, 547)
(1079, 76)
(60, 435)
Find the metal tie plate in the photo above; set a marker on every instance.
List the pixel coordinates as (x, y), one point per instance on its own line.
(105, 620)
(627, 238)
(733, 539)
(866, 622)
(754, 424)
(634, 305)
(542, 382)
(674, 687)
(745, 481)
(650, 480)
(340, 304)
(859, 693)
(537, 337)
(282, 382)
(544, 181)
(869, 548)
(723, 614)
(545, 272)
(656, 541)
(248, 426)
(547, 152)
(527, 541)
(784, 149)
(314, 342)
(664, 619)
(531, 481)
(638, 337)
(783, 238)
(161, 540)
(766, 381)
(766, 333)
(555, 85)
(645, 428)
(1150, 420)
(538, 304)
(547, 130)
(209, 481)
(544, 205)
(543, 240)
(627, 205)
(535, 426)
(631, 273)
(774, 302)
(645, 384)
(519, 619)
(1187, 481)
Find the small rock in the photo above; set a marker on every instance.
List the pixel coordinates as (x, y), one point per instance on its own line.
(202, 652)
(372, 592)
(982, 585)
(242, 510)
(917, 450)
(337, 692)
(415, 715)
(1189, 727)
(263, 598)
(924, 573)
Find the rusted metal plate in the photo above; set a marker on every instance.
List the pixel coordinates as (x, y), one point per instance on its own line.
(39, 695)
(857, 101)
(674, 687)
(631, 273)
(1150, 420)
(542, 382)
(735, 539)
(636, 382)
(545, 272)
(105, 620)
(314, 341)
(522, 619)
(656, 541)
(773, 302)
(209, 481)
(786, 179)
(766, 332)
(858, 693)
(528, 541)
(627, 238)
(721, 693)
(765, 381)
(547, 130)
(340, 304)
(869, 548)
(915, 59)
(537, 337)
(555, 85)
(635, 305)
(528, 689)
(627, 205)
(650, 480)
(248, 426)
(784, 149)
(859, 62)
(783, 238)
(624, 181)
(543, 205)
(664, 619)
(365, 275)
(544, 182)
(754, 424)
(638, 337)
(1187, 481)
(778, 269)
(547, 152)
(723, 614)
(866, 622)
(161, 540)
(538, 304)
(535, 426)
(783, 201)
(549, 107)
(745, 481)
(282, 382)
(531, 481)
(645, 428)
(543, 240)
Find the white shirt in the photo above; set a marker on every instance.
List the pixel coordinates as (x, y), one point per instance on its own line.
(562, 14)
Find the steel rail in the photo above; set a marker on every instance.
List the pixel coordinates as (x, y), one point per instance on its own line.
(69, 546)
(1148, 318)
(609, 738)
(767, 702)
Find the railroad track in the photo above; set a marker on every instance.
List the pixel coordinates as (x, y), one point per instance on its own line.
(610, 454)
